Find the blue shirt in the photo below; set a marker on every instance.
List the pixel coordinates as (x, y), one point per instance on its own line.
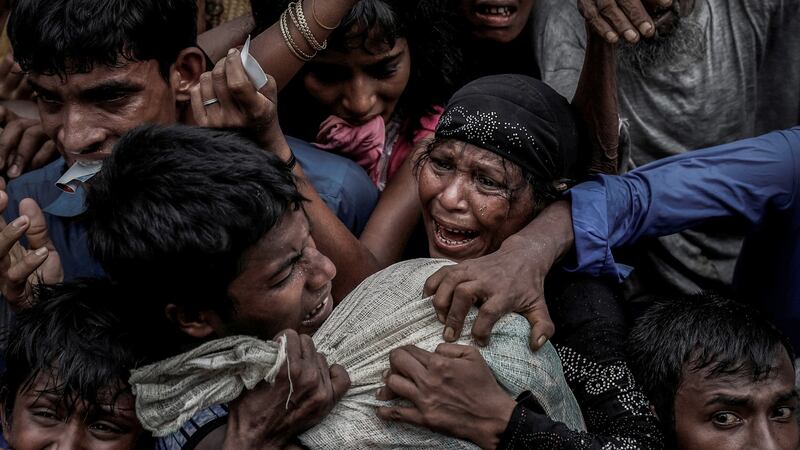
(755, 179)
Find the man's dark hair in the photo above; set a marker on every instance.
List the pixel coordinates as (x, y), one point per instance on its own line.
(175, 209)
(62, 37)
(75, 335)
(700, 332)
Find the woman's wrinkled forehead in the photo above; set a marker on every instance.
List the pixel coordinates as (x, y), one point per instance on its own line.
(465, 152)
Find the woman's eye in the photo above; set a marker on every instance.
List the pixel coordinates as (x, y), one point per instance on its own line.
(441, 164)
(726, 419)
(783, 413)
(106, 427)
(46, 98)
(386, 71)
(488, 182)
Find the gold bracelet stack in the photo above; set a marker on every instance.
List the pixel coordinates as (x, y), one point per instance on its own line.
(314, 15)
(299, 19)
(287, 38)
(295, 12)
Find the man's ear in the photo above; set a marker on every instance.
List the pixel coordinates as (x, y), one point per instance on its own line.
(198, 325)
(185, 73)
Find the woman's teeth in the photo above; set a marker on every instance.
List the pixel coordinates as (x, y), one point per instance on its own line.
(317, 309)
(504, 11)
(451, 236)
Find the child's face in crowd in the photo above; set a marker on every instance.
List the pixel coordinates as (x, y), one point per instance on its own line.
(285, 282)
(464, 191)
(496, 20)
(360, 84)
(86, 113)
(732, 412)
(42, 420)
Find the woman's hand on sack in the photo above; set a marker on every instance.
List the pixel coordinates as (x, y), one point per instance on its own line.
(238, 104)
(453, 391)
(269, 416)
(508, 280)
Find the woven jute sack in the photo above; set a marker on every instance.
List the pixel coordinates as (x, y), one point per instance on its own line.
(389, 310)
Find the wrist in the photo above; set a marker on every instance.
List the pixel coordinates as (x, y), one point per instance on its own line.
(492, 429)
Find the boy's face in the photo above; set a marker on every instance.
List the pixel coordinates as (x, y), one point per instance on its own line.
(733, 412)
(285, 283)
(42, 420)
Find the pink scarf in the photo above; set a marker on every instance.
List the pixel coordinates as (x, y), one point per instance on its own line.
(361, 143)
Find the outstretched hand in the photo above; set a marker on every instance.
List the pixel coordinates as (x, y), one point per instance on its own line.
(626, 18)
(508, 280)
(21, 268)
(238, 104)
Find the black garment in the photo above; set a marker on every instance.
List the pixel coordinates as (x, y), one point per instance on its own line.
(590, 337)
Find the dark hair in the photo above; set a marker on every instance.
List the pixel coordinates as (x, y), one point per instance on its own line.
(700, 332)
(61, 37)
(74, 334)
(371, 22)
(175, 208)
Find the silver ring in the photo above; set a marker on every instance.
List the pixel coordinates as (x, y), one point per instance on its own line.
(210, 101)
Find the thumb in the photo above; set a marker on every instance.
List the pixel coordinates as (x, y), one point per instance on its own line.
(37, 234)
(340, 381)
(542, 327)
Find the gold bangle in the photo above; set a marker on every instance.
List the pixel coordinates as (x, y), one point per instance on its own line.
(314, 15)
(300, 22)
(287, 38)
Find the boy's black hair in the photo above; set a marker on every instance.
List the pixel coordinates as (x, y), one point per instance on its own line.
(62, 37)
(74, 334)
(700, 332)
(175, 209)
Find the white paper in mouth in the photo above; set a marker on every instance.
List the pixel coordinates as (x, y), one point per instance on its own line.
(254, 71)
(80, 172)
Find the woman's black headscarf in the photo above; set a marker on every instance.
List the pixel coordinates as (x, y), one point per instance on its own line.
(522, 120)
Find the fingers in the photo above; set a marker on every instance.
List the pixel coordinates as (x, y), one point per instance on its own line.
(401, 414)
(614, 18)
(542, 327)
(11, 136)
(17, 277)
(241, 89)
(488, 315)
(207, 93)
(32, 140)
(445, 288)
(47, 153)
(464, 296)
(196, 100)
(37, 234)
(10, 237)
(219, 81)
(340, 381)
(404, 361)
(454, 350)
(433, 282)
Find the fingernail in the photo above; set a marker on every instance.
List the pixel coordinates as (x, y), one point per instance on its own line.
(481, 342)
(41, 252)
(440, 318)
(19, 222)
(666, 2)
(631, 35)
(231, 51)
(384, 374)
(449, 334)
(542, 340)
(13, 171)
(645, 27)
(611, 37)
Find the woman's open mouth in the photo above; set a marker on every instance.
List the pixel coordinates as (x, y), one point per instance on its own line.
(494, 15)
(453, 237)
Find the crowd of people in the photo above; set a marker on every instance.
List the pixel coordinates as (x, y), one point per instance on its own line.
(183, 246)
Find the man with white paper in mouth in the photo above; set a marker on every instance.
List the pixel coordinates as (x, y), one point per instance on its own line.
(92, 90)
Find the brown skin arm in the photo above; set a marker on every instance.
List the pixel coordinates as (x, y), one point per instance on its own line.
(390, 226)
(596, 100)
(271, 50)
